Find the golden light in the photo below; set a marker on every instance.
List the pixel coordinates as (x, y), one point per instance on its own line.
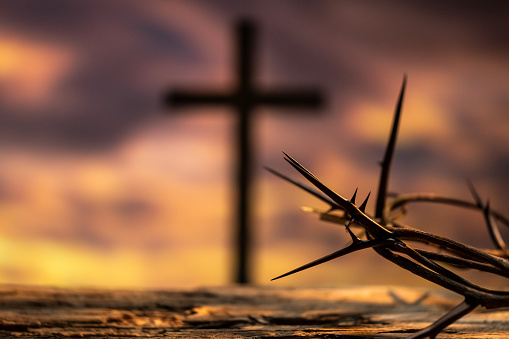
(30, 70)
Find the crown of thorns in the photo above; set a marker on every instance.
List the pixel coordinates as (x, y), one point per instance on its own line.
(388, 237)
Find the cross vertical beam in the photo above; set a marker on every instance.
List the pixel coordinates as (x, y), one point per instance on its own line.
(245, 37)
(244, 98)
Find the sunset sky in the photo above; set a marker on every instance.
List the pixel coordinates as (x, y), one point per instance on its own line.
(101, 185)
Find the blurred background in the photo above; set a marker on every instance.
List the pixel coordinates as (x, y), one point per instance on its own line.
(101, 185)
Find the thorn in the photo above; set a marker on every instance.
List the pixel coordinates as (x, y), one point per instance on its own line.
(286, 155)
(389, 153)
(363, 206)
(355, 239)
(474, 193)
(354, 195)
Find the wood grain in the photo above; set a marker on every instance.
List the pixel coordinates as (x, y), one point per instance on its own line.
(237, 312)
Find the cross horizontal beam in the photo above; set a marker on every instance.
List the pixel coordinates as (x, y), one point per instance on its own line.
(274, 98)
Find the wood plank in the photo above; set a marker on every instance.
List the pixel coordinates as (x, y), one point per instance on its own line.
(237, 312)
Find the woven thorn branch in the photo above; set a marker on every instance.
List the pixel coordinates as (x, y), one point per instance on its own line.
(388, 237)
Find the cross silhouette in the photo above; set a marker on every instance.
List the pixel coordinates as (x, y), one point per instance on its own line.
(244, 98)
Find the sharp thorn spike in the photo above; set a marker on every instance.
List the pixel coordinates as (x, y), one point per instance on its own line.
(355, 239)
(389, 152)
(363, 206)
(347, 250)
(352, 200)
(317, 194)
(492, 227)
(474, 193)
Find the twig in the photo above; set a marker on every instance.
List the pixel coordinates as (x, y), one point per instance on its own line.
(456, 313)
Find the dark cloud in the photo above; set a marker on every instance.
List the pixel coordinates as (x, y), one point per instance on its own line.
(54, 18)
(109, 95)
(106, 93)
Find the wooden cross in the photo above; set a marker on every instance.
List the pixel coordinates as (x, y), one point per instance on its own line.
(244, 98)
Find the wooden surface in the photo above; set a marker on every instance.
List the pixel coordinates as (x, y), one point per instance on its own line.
(236, 312)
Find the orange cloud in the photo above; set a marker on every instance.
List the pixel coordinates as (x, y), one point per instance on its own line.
(30, 70)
